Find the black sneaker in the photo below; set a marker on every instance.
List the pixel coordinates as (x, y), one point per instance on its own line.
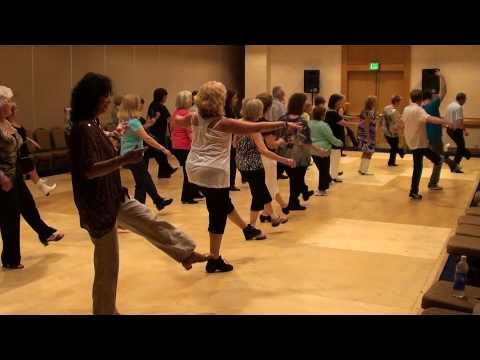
(286, 211)
(251, 233)
(296, 207)
(457, 171)
(265, 218)
(163, 203)
(307, 195)
(416, 196)
(392, 165)
(282, 177)
(218, 265)
(401, 152)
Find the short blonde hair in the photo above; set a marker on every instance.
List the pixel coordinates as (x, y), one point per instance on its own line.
(184, 100)
(210, 99)
(130, 108)
(252, 109)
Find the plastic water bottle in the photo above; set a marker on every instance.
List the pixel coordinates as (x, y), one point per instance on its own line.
(460, 278)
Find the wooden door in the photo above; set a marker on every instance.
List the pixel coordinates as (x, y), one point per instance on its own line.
(360, 85)
(389, 83)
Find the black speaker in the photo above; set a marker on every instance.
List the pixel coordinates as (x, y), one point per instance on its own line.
(430, 81)
(311, 81)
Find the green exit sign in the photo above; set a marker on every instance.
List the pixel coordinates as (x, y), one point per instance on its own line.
(374, 66)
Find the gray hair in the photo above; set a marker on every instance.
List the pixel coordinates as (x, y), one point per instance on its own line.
(252, 109)
(6, 92)
(184, 100)
(277, 91)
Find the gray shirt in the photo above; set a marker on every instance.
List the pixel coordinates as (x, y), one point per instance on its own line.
(390, 121)
(277, 110)
(455, 114)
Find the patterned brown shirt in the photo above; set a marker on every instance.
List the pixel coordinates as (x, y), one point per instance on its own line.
(98, 200)
(9, 147)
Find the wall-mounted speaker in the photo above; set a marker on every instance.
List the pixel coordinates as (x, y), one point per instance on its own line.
(430, 81)
(311, 81)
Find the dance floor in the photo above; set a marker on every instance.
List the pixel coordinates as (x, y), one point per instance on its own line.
(364, 249)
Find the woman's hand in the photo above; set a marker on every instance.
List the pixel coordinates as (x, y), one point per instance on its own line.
(289, 162)
(322, 152)
(132, 157)
(294, 126)
(167, 153)
(6, 183)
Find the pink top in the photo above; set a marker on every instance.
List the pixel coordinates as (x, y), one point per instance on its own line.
(181, 136)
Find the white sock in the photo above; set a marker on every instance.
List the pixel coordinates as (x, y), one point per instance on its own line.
(335, 157)
(362, 162)
(366, 165)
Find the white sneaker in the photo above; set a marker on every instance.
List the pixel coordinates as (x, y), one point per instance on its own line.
(44, 188)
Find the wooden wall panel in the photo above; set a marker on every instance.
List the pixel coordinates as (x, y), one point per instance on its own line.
(120, 67)
(52, 84)
(16, 73)
(89, 58)
(42, 76)
(365, 54)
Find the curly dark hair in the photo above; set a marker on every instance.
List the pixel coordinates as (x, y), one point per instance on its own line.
(230, 111)
(159, 94)
(86, 96)
(296, 104)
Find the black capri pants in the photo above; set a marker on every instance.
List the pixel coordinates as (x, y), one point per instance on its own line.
(219, 205)
(258, 188)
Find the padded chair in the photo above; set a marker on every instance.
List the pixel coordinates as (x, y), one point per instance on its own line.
(440, 296)
(473, 211)
(43, 156)
(469, 220)
(60, 155)
(30, 146)
(439, 311)
(464, 245)
(468, 230)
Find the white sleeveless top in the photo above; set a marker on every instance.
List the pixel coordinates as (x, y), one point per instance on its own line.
(208, 163)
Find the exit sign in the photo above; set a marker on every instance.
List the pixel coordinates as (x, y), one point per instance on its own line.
(374, 66)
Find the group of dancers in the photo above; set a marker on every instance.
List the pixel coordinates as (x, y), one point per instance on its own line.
(210, 143)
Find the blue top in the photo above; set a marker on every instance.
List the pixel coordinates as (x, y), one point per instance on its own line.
(372, 129)
(130, 140)
(434, 131)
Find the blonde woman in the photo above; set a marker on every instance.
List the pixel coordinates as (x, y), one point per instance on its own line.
(181, 143)
(130, 113)
(208, 164)
(367, 130)
(250, 149)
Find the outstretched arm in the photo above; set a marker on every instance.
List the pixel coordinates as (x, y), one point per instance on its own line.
(247, 127)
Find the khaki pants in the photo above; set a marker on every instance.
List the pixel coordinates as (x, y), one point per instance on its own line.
(137, 218)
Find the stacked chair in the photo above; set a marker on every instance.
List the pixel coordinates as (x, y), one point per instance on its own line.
(439, 299)
(53, 156)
